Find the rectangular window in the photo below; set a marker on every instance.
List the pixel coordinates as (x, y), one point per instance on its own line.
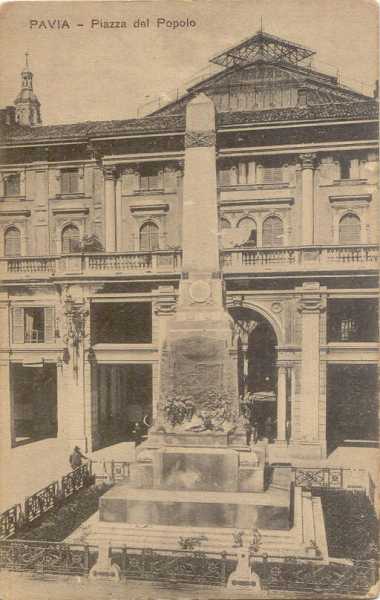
(225, 176)
(352, 320)
(69, 181)
(272, 175)
(121, 323)
(150, 179)
(345, 168)
(33, 325)
(12, 184)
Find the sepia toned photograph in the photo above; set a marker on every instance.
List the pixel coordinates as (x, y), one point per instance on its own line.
(189, 302)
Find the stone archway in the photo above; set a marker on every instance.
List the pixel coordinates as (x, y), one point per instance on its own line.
(256, 342)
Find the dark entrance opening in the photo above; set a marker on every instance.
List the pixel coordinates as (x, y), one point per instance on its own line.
(352, 407)
(34, 403)
(257, 371)
(124, 402)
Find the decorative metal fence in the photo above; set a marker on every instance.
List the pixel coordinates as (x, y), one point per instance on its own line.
(45, 557)
(46, 499)
(41, 502)
(75, 480)
(181, 566)
(10, 521)
(318, 477)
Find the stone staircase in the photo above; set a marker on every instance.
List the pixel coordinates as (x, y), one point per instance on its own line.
(308, 526)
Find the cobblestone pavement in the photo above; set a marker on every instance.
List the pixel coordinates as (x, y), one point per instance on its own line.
(23, 586)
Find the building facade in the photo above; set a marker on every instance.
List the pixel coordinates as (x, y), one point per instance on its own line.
(91, 234)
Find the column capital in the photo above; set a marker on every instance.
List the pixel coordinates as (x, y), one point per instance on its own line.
(284, 364)
(308, 160)
(110, 172)
(312, 303)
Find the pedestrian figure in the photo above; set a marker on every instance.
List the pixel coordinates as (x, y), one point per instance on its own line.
(268, 429)
(288, 431)
(248, 430)
(76, 458)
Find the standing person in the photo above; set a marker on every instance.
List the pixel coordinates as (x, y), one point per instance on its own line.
(268, 429)
(248, 429)
(288, 431)
(76, 458)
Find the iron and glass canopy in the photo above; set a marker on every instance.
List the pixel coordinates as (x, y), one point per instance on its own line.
(265, 47)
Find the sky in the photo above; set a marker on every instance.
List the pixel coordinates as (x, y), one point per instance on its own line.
(85, 73)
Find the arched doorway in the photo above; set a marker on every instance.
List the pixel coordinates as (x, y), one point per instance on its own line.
(257, 368)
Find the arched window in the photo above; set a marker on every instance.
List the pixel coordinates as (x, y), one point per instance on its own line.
(349, 229)
(225, 224)
(273, 232)
(149, 237)
(70, 239)
(12, 242)
(249, 230)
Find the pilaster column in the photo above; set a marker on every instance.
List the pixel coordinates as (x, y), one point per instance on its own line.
(281, 402)
(109, 174)
(307, 163)
(310, 306)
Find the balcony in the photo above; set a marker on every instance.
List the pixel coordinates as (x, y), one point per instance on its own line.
(167, 262)
(300, 259)
(90, 265)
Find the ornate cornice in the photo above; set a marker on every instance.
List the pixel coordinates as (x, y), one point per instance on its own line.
(200, 139)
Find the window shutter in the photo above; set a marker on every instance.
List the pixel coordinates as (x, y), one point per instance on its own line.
(49, 324)
(65, 182)
(18, 325)
(12, 242)
(272, 175)
(349, 229)
(273, 232)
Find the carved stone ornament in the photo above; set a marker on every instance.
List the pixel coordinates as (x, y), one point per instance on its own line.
(165, 306)
(109, 172)
(200, 291)
(312, 303)
(199, 139)
(308, 160)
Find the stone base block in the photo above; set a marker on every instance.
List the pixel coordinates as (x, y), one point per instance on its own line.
(141, 475)
(211, 469)
(251, 479)
(201, 439)
(195, 509)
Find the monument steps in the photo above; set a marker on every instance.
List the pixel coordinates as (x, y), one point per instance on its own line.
(168, 538)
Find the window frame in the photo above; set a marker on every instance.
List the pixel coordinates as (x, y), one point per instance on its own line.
(9, 229)
(19, 326)
(345, 228)
(70, 239)
(10, 176)
(272, 245)
(70, 191)
(154, 226)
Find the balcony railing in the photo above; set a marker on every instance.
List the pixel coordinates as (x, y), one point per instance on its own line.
(165, 261)
(300, 258)
(233, 260)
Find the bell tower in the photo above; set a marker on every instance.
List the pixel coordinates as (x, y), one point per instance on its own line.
(27, 104)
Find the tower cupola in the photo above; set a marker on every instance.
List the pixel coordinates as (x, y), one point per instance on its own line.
(28, 108)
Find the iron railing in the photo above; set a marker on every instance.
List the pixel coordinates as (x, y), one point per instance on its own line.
(75, 480)
(10, 521)
(41, 502)
(181, 566)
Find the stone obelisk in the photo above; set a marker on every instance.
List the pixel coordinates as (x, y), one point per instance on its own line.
(198, 370)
